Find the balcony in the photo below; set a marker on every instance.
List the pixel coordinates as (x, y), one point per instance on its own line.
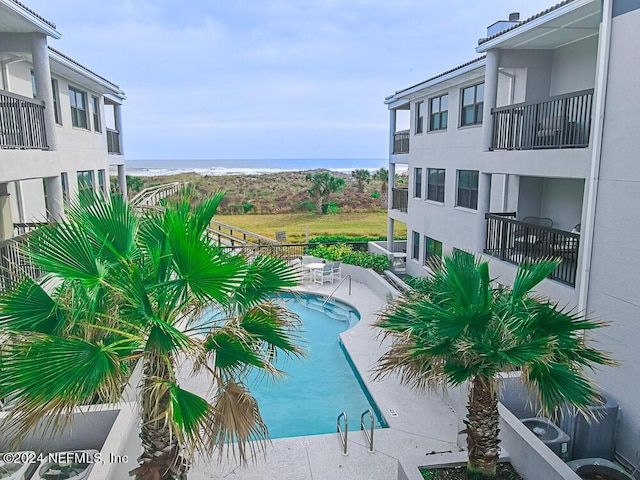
(113, 142)
(516, 241)
(21, 123)
(563, 121)
(401, 142)
(399, 199)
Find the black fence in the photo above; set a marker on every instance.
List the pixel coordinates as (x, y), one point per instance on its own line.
(516, 242)
(563, 121)
(400, 199)
(113, 142)
(401, 142)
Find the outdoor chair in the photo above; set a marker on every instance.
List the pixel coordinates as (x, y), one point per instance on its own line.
(336, 271)
(326, 274)
(529, 240)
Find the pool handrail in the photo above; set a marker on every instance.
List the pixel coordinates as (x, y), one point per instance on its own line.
(335, 289)
(341, 434)
(368, 434)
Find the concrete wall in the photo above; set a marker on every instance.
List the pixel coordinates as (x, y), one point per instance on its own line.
(614, 291)
(574, 66)
(554, 198)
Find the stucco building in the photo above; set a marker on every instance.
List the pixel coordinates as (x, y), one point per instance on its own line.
(60, 123)
(531, 150)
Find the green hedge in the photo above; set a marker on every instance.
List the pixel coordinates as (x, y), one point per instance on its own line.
(343, 238)
(346, 254)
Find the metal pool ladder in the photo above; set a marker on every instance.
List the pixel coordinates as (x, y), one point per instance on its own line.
(343, 435)
(336, 289)
(368, 434)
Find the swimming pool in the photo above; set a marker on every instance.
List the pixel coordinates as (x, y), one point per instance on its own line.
(318, 387)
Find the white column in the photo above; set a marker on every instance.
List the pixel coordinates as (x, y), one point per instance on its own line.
(122, 181)
(6, 220)
(390, 233)
(42, 74)
(490, 96)
(55, 198)
(484, 201)
(392, 129)
(117, 113)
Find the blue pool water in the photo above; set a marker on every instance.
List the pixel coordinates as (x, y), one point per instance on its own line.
(319, 386)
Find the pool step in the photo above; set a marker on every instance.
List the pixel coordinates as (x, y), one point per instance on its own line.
(329, 309)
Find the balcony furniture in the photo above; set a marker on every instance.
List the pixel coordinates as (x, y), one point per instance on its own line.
(336, 271)
(320, 275)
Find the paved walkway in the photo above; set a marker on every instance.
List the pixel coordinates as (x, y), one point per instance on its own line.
(421, 426)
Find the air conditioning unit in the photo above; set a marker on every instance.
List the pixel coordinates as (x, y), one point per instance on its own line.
(550, 435)
(73, 465)
(587, 468)
(21, 466)
(592, 436)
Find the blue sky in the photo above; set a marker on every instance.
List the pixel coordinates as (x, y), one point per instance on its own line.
(267, 78)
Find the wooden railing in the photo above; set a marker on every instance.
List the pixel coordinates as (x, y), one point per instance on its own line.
(21, 122)
(149, 197)
(399, 199)
(516, 242)
(229, 233)
(401, 142)
(563, 121)
(113, 142)
(14, 263)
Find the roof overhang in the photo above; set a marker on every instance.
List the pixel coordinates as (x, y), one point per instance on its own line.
(402, 97)
(17, 18)
(560, 26)
(71, 70)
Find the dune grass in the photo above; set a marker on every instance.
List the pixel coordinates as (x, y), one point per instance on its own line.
(372, 224)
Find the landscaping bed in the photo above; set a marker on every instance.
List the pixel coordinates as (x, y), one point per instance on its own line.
(505, 471)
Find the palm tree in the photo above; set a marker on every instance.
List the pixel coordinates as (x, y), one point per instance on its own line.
(323, 184)
(119, 287)
(382, 175)
(459, 328)
(362, 176)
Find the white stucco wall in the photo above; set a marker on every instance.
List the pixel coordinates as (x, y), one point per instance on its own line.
(614, 290)
(574, 66)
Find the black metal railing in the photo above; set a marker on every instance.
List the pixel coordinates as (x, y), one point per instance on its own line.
(401, 142)
(22, 122)
(28, 227)
(113, 142)
(399, 199)
(516, 242)
(563, 121)
(15, 263)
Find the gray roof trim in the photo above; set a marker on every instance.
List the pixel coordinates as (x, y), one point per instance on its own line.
(116, 89)
(431, 80)
(39, 17)
(530, 19)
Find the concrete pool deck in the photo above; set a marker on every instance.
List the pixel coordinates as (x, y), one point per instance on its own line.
(421, 425)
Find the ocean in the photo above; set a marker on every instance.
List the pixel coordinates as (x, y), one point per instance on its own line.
(248, 167)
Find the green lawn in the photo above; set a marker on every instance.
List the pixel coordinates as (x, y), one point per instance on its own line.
(295, 225)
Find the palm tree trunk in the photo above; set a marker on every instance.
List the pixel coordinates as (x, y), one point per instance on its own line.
(319, 204)
(482, 429)
(160, 459)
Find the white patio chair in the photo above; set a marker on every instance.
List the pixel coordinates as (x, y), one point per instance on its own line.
(326, 274)
(336, 271)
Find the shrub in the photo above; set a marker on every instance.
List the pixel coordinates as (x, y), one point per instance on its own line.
(247, 207)
(306, 206)
(375, 195)
(344, 253)
(333, 208)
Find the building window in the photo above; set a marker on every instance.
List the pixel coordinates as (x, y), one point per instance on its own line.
(435, 184)
(417, 183)
(419, 117)
(56, 101)
(85, 180)
(64, 179)
(432, 250)
(78, 102)
(439, 113)
(467, 189)
(472, 105)
(34, 90)
(102, 185)
(415, 252)
(95, 104)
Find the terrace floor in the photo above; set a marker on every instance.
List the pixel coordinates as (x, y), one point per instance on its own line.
(424, 427)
